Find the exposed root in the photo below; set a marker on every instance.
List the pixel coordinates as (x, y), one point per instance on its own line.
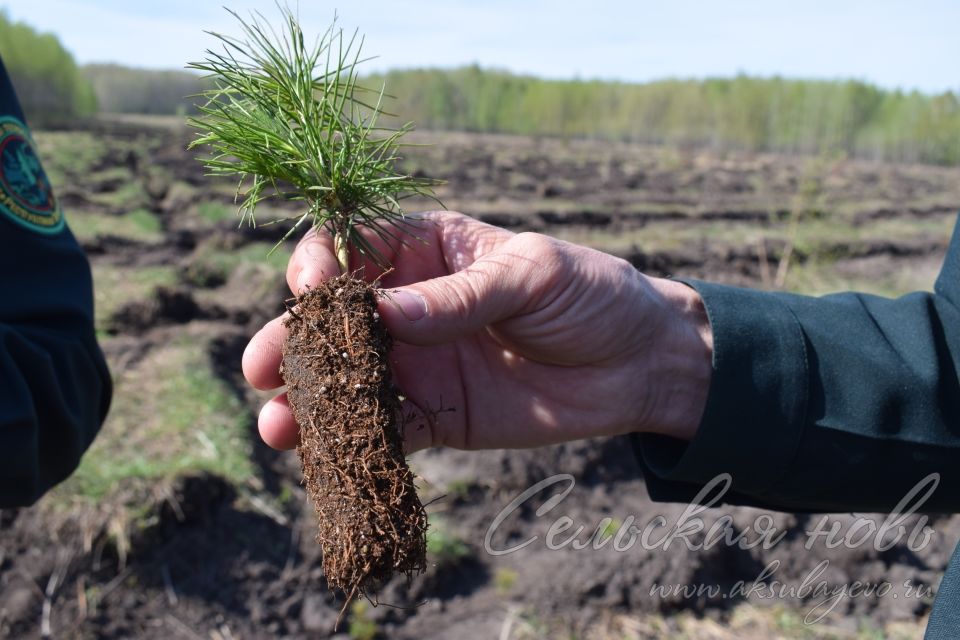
(371, 522)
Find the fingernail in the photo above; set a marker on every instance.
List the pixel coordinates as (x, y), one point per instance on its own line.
(305, 281)
(412, 305)
(310, 275)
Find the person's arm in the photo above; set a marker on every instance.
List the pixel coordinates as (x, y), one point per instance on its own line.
(54, 384)
(837, 403)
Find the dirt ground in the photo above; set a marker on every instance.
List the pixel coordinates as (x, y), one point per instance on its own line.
(182, 524)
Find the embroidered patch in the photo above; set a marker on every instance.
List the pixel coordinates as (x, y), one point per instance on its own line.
(26, 196)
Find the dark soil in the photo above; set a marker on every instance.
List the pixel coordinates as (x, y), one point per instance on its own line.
(211, 562)
(336, 368)
(166, 306)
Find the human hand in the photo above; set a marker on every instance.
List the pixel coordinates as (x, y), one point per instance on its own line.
(528, 340)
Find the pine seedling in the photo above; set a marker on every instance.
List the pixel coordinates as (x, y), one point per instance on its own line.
(291, 120)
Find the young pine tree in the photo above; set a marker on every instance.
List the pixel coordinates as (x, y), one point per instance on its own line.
(288, 119)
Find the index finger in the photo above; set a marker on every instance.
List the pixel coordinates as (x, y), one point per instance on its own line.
(313, 261)
(425, 245)
(314, 258)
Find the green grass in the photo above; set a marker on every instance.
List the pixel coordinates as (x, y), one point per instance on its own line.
(180, 194)
(139, 225)
(114, 286)
(504, 580)
(610, 528)
(666, 236)
(171, 415)
(110, 174)
(443, 546)
(69, 154)
(459, 488)
(216, 211)
(73, 158)
(361, 626)
(210, 259)
(129, 195)
(822, 241)
(145, 221)
(819, 236)
(821, 277)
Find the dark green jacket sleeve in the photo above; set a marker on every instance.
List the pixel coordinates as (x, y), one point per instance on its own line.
(837, 403)
(54, 383)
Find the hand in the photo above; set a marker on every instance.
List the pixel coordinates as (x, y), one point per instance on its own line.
(528, 340)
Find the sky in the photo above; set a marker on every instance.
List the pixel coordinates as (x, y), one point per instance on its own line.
(908, 44)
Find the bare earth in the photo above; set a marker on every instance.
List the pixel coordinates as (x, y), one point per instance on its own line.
(181, 524)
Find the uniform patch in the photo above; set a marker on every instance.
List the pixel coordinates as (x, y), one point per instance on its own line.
(26, 196)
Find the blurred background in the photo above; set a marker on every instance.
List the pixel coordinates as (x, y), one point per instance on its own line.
(809, 147)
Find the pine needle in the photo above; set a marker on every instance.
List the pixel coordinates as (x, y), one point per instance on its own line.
(290, 120)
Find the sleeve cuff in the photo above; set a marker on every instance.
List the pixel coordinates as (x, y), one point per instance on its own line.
(756, 405)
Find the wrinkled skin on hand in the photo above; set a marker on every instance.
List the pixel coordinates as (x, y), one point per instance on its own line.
(528, 339)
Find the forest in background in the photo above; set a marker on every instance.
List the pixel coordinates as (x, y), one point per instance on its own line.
(741, 113)
(47, 79)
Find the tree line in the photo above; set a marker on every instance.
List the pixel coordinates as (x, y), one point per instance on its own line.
(749, 113)
(51, 88)
(55, 91)
(122, 89)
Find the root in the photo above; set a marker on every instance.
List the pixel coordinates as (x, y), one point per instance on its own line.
(372, 524)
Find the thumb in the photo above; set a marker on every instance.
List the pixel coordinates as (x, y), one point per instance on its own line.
(450, 307)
